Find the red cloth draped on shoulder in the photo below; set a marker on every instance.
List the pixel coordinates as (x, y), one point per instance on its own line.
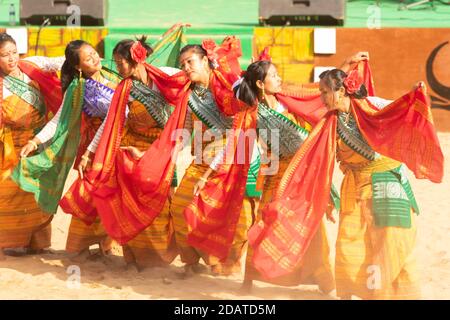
(402, 130)
(125, 193)
(49, 84)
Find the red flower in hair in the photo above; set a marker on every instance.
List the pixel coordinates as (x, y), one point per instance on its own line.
(352, 82)
(265, 56)
(210, 47)
(138, 52)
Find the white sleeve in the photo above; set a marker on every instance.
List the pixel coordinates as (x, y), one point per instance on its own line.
(94, 143)
(47, 133)
(378, 102)
(218, 159)
(46, 63)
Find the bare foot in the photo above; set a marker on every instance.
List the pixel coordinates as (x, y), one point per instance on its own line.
(188, 272)
(39, 251)
(15, 252)
(82, 256)
(246, 288)
(329, 294)
(105, 247)
(200, 268)
(133, 266)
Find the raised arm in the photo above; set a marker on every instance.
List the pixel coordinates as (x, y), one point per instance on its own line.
(47, 63)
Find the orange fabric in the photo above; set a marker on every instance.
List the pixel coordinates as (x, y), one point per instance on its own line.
(22, 223)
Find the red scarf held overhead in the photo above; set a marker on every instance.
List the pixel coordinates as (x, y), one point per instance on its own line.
(303, 194)
(309, 105)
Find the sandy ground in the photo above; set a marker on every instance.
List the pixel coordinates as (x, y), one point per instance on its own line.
(51, 276)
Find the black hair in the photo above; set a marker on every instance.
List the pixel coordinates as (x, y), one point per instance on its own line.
(68, 69)
(198, 49)
(4, 37)
(123, 49)
(248, 90)
(334, 79)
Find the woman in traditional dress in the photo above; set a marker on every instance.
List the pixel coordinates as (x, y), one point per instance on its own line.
(259, 85)
(282, 131)
(204, 116)
(87, 93)
(376, 227)
(202, 88)
(147, 114)
(29, 90)
(84, 108)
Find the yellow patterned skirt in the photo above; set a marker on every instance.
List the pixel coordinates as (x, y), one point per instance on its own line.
(22, 223)
(155, 246)
(315, 267)
(372, 262)
(82, 236)
(190, 255)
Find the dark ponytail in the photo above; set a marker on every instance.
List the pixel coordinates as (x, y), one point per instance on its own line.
(248, 91)
(4, 38)
(68, 69)
(123, 49)
(334, 79)
(198, 49)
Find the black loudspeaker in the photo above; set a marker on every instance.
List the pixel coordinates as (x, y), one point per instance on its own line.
(302, 12)
(63, 12)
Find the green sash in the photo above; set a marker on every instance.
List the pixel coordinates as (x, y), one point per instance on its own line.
(392, 198)
(167, 50)
(290, 135)
(349, 132)
(156, 106)
(153, 101)
(25, 92)
(250, 188)
(45, 173)
(202, 104)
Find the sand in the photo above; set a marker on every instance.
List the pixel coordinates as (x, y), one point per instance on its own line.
(51, 276)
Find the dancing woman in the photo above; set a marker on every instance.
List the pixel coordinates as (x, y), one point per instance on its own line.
(29, 91)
